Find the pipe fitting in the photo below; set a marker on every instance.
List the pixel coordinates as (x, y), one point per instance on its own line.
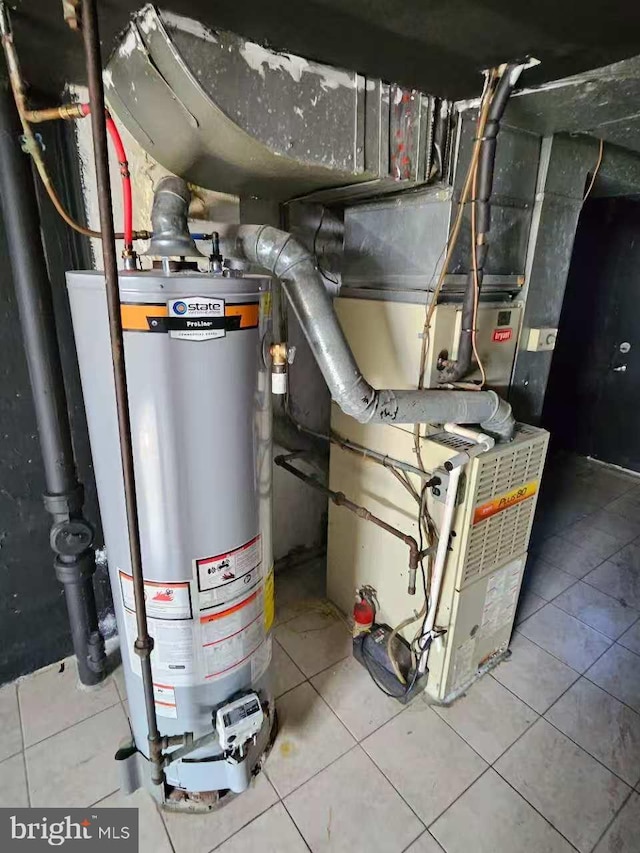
(282, 255)
(169, 221)
(500, 424)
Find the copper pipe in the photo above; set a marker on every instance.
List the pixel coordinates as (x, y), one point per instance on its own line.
(31, 144)
(340, 499)
(63, 111)
(144, 642)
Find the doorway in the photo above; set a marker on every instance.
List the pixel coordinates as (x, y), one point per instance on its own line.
(592, 406)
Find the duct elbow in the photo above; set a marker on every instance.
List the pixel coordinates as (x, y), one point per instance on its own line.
(501, 424)
(295, 266)
(169, 214)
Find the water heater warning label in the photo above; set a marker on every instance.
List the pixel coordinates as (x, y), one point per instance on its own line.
(170, 623)
(226, 576)
(163, 600)
(196, 318)
(230, 636)
(165, 700)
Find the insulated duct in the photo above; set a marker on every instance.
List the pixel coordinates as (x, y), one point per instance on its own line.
(281, 254)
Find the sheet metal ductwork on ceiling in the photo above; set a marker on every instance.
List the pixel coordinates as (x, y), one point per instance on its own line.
(601, 103)
(230, 115)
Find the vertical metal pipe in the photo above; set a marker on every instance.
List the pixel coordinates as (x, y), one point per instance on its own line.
(71, 535)
(144, 643)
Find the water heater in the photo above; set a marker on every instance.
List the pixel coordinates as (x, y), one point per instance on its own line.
(199, 400)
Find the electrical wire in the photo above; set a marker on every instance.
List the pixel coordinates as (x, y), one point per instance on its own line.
(455, 231)
(367, 656)
(322, 271)
(594, 174)
(485, 104)
(476, 284)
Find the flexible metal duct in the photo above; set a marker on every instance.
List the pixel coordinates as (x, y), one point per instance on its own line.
(281, 254)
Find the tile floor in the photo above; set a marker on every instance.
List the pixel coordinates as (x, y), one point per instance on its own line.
(541, 756)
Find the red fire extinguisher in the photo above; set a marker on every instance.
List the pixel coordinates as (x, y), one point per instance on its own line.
(364, 611)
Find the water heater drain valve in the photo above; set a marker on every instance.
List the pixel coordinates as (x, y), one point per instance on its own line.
(238, 722)
(282, 356)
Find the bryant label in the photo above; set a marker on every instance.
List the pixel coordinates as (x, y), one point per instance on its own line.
(196, 318)
(501, 335)
(515, 496)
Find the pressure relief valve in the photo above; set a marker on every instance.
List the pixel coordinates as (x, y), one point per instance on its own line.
(282, 356)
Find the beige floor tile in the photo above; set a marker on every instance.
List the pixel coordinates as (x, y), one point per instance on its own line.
(545, 580)
(51, 700)
(490, 817)
(626, 506)
(612, 523)
(565, 637)
(425, 760)
(118, 677)
(623, 836)
(577, 795)
(310, 738)
(528, 603)
(618, 672)
(326, 809)
(631, 638)
(284, 673)
(598, 610)
(297, 590)
(75, 767)
(425, 844)
(153, 834)
(349, 689)
(272, 832)
(10, 731)
(200, 833)
(13, 783)
(602, 726)
(533, 674)
(601, 543)
(618, 581)
(489, 718)
(571, 558)
(315, 640)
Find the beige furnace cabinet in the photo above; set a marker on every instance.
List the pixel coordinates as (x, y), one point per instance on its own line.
(491, 528)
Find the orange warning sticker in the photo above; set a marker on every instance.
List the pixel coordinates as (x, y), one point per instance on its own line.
(508, 499)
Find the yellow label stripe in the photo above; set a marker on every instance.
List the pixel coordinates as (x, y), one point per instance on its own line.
(136, 317)
(508, 499)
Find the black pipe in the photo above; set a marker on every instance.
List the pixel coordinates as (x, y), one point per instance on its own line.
(144, 643)
(71, 534)
(454, 371)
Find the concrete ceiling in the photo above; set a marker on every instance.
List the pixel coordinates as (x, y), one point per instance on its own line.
(438, 46)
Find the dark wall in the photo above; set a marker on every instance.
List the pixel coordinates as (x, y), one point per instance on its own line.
(592, 405)
(34, 630)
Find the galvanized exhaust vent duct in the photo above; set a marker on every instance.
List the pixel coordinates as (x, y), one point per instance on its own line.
(281, 254)
(231, 115)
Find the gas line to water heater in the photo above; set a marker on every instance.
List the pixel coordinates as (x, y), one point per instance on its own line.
(67, 112)
(401, 687)
(339, 499)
